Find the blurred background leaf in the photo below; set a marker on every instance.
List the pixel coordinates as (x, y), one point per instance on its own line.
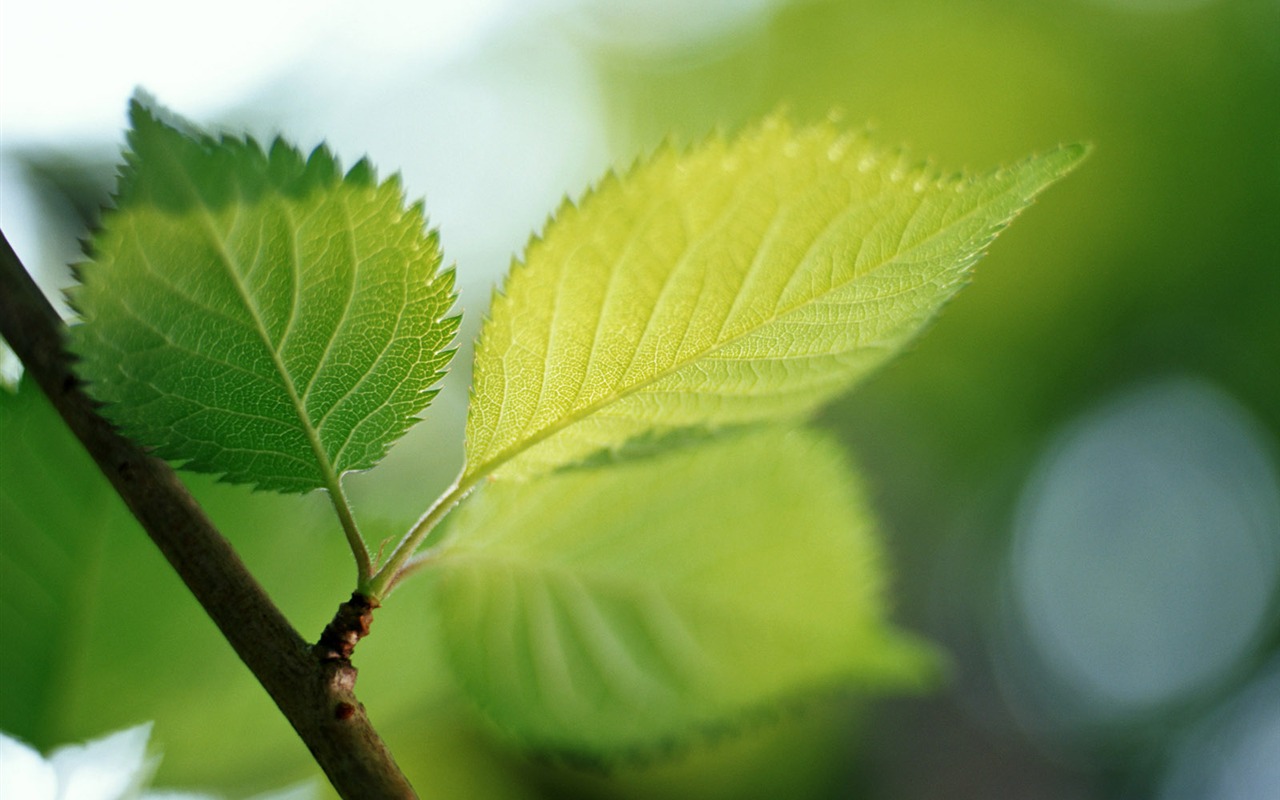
(613, 610)
(1142, 296)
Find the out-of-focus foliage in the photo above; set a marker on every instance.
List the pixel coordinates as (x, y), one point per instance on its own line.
(58, 513)
(663, 600)
(99, 619)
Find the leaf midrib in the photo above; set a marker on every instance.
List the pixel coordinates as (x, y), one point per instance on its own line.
(329, 477)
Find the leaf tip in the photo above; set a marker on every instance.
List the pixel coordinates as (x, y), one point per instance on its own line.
(322, 165)
(147, 116)
(362, 173)
(1061, 160)
(395, 182)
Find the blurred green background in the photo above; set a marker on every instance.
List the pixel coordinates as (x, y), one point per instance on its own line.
(1075, 468)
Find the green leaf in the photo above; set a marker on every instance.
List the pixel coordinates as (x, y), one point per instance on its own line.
(257, 314)
(604, 609)
(735, 283)
(56, 511)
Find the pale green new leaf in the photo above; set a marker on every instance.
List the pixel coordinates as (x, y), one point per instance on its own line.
(260, 314)
(668, 596)
(738, 282)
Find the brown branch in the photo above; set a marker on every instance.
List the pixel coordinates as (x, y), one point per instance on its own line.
(315, 693)
(349, 626)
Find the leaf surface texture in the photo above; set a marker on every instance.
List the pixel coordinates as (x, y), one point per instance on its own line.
(260, 314)
(737, 282)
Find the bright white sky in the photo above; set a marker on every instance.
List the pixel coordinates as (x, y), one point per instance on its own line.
(67, 66)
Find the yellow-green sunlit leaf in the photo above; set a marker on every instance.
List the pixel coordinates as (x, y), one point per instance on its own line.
(741, 281)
